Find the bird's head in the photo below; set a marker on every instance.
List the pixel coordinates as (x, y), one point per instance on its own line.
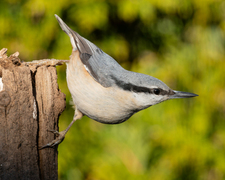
(151, 91)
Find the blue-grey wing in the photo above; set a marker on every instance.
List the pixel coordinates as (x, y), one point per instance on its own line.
(100, 65)
(103, 68)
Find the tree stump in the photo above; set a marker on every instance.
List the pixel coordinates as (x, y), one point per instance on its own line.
(30, 104)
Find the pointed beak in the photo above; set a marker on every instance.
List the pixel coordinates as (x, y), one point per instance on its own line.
(180, 94)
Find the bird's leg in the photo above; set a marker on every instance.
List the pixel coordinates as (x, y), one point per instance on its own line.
(61, 135)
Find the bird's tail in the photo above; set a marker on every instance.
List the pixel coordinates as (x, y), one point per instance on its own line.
(78, 42)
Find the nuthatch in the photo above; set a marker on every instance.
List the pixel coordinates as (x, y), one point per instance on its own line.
(104, 91)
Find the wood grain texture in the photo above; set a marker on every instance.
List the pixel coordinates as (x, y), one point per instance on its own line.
(50, 102)
(30, 103)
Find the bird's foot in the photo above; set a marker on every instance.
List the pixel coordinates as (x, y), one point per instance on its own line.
(60, 137)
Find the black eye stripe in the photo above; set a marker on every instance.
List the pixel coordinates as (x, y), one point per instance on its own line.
(137, 89)
(140, 89)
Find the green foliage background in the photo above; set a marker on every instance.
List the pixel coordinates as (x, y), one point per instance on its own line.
(180, 42)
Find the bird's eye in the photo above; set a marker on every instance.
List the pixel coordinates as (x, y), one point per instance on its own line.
(156, 91)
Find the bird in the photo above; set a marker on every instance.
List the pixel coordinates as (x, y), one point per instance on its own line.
(103, 90)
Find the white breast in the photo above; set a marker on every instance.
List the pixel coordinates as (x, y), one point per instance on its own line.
(107, 105)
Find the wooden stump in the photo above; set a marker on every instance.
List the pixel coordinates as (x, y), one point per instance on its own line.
(30, 103)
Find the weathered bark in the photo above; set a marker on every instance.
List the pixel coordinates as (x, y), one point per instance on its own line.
(30, 104)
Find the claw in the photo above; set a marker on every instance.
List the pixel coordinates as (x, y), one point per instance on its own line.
(54, 132)
(61, 135)
(58, 140)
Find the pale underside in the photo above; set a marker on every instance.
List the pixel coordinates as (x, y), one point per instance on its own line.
(88, 95)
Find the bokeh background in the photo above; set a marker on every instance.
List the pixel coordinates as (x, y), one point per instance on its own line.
(180, 42)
